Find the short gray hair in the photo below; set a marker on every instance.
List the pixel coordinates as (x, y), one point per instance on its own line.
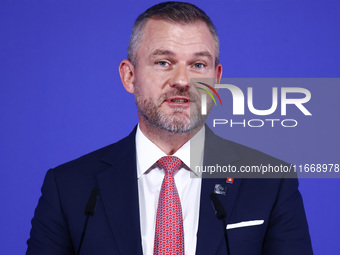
(176, 12)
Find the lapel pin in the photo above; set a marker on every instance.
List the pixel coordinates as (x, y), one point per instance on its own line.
(220, 189)
(230, 180)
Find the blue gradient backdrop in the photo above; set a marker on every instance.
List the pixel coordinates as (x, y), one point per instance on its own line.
(61, 96)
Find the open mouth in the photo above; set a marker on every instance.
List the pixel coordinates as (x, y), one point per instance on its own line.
(179, 100)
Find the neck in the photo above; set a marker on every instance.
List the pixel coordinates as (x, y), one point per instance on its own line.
(168, 142)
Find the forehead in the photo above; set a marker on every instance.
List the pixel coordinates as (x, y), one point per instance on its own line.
(177, 37)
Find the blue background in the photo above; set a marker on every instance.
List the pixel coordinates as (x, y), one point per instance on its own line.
(61, 96)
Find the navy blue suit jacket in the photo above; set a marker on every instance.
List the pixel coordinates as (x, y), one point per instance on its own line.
(115, 227)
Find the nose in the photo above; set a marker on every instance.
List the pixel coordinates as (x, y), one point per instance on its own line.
(180, 77)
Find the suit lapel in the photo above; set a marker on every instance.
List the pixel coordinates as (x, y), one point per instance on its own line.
(210, 229)
(119, 190)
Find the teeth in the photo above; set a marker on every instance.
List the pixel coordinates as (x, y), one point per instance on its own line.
(179, 100)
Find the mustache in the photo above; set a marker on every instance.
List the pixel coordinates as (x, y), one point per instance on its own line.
(173, 93)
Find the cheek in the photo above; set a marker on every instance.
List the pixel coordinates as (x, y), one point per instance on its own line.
(149, 85)
(155, 77)
(143, 92)
(146, 80)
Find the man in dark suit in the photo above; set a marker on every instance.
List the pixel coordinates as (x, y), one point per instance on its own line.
(170, 43)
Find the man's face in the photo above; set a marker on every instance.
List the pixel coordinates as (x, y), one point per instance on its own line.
(169, 55)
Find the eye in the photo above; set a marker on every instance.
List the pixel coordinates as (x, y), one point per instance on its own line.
(199, 65)
(163, 63)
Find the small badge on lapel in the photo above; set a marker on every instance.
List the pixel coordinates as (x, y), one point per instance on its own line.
(230, 180)
(220, 189)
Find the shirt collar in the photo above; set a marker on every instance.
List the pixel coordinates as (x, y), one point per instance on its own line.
(148, 153)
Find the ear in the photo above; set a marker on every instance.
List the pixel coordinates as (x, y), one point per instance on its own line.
(218, 72)
(127, 75)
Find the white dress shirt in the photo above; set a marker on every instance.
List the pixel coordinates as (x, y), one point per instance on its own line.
(150, 178)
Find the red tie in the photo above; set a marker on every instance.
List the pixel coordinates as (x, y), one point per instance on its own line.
(169, 234)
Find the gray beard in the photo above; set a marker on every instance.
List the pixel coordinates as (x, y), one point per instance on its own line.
(178, 121)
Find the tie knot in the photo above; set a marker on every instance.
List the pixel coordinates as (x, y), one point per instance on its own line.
(170, 164)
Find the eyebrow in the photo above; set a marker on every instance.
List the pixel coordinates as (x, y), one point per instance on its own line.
(203, 54)
(160, 52)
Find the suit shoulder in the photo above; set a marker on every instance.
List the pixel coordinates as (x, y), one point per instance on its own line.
(96, 161)
(251, 154)
(236, 151)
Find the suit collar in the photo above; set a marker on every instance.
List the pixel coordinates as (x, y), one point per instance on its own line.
(123, 148)
(218, 150)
